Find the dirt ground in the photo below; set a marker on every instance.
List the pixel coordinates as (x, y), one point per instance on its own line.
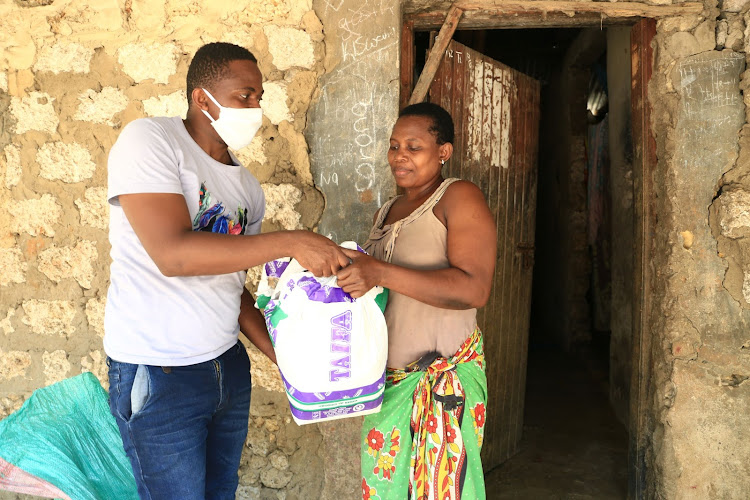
(572, 445)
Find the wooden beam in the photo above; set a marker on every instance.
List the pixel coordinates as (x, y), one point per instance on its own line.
(615, 9)
(436, 55)
(550, 13)
(408, 50)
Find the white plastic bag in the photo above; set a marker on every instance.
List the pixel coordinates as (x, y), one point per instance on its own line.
(331, 349)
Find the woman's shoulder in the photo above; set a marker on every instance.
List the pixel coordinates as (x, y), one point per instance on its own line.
(461, 191)
(460, 199)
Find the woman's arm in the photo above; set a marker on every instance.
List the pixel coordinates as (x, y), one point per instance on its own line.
(472, 244)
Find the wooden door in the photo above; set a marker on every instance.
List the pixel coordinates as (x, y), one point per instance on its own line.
(496, 114)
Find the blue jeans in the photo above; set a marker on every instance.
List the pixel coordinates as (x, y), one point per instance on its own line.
(183, 427)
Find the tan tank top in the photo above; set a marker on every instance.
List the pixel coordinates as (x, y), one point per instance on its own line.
(418, 241)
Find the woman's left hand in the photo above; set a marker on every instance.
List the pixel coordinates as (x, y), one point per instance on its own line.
(361, 275)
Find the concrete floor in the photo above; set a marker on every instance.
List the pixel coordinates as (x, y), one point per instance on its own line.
(572, 446)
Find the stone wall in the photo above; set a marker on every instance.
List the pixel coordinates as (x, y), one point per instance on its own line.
(72, 74)
(700, 343)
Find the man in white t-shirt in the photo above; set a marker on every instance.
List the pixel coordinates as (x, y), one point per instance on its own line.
(184, 227)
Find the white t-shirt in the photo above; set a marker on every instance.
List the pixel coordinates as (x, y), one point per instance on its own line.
(152, 319)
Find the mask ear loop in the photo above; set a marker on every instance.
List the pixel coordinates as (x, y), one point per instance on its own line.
(215, 102)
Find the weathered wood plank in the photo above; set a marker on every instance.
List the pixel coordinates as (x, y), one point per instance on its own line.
(407, 62)
(615, 9)
(436, 55)
(550, 13)
(458, 111)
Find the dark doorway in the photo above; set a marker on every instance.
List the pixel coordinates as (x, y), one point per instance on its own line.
(575, 439)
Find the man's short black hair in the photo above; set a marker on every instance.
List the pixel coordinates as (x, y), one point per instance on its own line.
(211, 63)
(442, 123)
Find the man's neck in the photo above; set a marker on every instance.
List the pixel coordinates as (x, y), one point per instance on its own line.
(206, 139)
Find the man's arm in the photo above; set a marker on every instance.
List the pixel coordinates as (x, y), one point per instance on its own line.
(253, 326)
(162, 223)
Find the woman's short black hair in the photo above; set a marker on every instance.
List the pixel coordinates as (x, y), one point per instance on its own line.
(442, 123)
(211, 63)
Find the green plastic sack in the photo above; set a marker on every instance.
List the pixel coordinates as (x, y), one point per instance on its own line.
(66, 435)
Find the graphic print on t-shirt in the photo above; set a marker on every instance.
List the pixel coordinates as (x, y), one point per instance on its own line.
(212, 218)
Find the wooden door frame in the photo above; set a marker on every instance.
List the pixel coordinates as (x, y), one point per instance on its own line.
(644, 215)
(554, 14)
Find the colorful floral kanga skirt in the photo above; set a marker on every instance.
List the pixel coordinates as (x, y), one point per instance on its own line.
(424, 444)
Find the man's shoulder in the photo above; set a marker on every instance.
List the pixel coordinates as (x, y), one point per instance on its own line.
(152, 126)
(144, 137)
(153, 133)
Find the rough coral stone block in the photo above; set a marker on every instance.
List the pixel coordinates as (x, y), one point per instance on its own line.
(255, 152)
(13, 169)
(142, 61)
(5, 324)
(96, 363)
(50, 317)
(174, 104)
(56, 366)
(58, 263)
(290, 47)
(13, 364)
(64, 57)
(10, 404)
(101, 107)
(280, 203)
(94, 208)
(95, 314)
(34, 112)
(734, 213)
(12, 267)
(274, 102)
(35, 216)
(68, 162)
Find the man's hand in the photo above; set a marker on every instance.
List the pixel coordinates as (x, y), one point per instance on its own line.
(318, 254)
(361, 275)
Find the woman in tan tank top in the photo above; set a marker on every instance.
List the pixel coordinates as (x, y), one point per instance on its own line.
(434, 248)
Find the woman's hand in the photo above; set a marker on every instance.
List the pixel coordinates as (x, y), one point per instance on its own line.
(361, 275)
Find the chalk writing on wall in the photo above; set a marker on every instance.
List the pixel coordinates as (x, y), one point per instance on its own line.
(710, 114)
(351, 122)
(708, 86)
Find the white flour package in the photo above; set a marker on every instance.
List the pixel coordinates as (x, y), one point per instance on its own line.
(331, 349)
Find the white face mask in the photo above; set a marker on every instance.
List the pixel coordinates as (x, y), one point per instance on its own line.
(235, 126)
